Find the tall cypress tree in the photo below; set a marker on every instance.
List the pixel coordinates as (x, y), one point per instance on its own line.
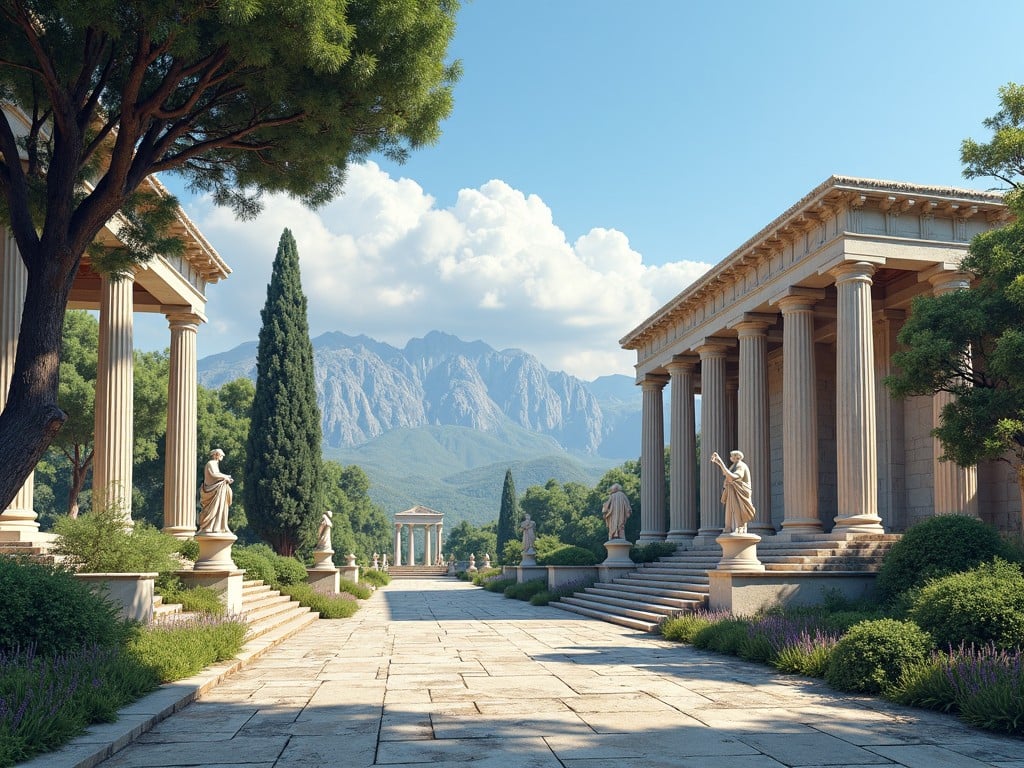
(508, 516)
(283, 466)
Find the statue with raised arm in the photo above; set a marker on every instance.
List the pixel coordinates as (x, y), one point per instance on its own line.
(737, 492)
(215, 496)
(616, 512)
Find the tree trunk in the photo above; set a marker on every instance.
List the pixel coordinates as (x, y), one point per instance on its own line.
(31, 418)
(79, 471)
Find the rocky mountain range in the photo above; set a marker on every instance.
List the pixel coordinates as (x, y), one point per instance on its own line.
(368, 388)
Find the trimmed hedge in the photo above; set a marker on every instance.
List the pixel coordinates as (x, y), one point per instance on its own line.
(873, 655)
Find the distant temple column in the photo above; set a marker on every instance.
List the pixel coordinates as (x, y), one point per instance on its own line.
(856, 459)
(799, 413)
(398, 544)
(18, 521)
(752, 422)
(440, 543)
(652, 461)
(114, 438)
(412, 544)
(181, 453)
(682, 483)
(956, 487)
(428, 545)
(713, 438)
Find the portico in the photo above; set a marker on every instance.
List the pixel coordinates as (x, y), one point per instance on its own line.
(432, 524)
(804, 316)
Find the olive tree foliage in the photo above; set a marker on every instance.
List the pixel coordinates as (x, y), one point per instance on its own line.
(240, 97)
(971, 343)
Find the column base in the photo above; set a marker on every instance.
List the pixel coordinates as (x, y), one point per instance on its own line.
(761, 529)
(648, 537)
(180, 531)
(215, 552)
(618, 553)
(18, 525)
(739, 553)
(801, 525)
(680, 537)
(858, 524)
(706, 537)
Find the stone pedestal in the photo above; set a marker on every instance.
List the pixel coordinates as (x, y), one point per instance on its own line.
(131, 592)
(323, 560)
(215, 552)
(618, 553)
(227, 582)
(323, 580)
(529, 558)
(739, 553)
(349, 571)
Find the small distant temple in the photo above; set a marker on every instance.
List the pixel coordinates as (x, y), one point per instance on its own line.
(788, 340)
(432, 524)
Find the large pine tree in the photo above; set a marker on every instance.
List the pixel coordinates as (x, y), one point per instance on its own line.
(283, 466)
(509, 517)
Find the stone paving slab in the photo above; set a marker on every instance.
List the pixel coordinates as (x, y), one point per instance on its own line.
(439, 672)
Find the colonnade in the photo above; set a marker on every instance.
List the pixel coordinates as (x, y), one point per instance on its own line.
(433, 533)
(748, 409)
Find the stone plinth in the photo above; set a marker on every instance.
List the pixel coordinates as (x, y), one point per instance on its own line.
(529, 558)
(131, 592)
(530, 573)
(323, 580)
(618, 553)
(744, 594)
(739, 553)
(349, 572)
(323, 560)
(215, 552)
(227, 582)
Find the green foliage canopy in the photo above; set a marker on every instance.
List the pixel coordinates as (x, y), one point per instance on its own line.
(240, 97)
(509, 517)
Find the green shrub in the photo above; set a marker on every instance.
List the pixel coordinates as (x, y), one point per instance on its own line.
(189, 549)
(328, 606)
(756, 647)
(934, 548)
(526, 590)
(512, 552)
(648, 553)
(685, 626)
(376, 578)
(568, 554)
(256, 564)
(977, 607)
(809, 657)
(100, 542)
(360, 591)
(498, 585)
(726, 636)
(185, 647)
(484, 575)
(873, 655)
(192, 599)
(50, 610)
(926, 684)
(288, 570)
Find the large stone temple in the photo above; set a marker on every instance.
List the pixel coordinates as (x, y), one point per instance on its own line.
(787, 340)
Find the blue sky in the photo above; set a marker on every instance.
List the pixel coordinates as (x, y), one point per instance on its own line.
(602, 155)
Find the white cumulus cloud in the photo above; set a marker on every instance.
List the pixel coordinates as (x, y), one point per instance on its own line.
(386, 261)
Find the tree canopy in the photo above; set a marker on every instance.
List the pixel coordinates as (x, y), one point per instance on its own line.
(241, 97)
(971, 343)
(509, 517)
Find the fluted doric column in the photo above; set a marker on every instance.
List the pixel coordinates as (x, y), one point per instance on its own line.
(682, 481)
(114, 438)
(856, 457)
(652, 461)
(440, 542)
(956, 487)
(428, 545)
(752, 416)
(18, 521)
(799, 414)
(398, 544)
(890, 418)
(713, 439)
(180, 461)
(412, 544)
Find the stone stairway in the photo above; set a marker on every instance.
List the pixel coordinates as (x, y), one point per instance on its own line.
(643, 598)
(417, 571)
(271, 614)
(34, 550)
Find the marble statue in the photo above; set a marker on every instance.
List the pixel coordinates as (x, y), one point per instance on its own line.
(736, 492)
(487, 560)
(323, 534)
(529, 529)
(616, 511)
(376, 561)
(215, 496)
(384, 561)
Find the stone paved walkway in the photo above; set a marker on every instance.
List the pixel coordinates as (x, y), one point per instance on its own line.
(443, 673)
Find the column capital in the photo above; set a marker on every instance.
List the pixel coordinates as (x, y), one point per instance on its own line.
(945, 280)
(714, 347)
(653, 381)
(853, 271)
(184, 318)
(682, 364)
(796, 298)
(753, 324)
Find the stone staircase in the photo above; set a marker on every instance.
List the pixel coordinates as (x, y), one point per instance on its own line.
(271, 614)
(417, 571)
(34, 550)
(643, 598)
